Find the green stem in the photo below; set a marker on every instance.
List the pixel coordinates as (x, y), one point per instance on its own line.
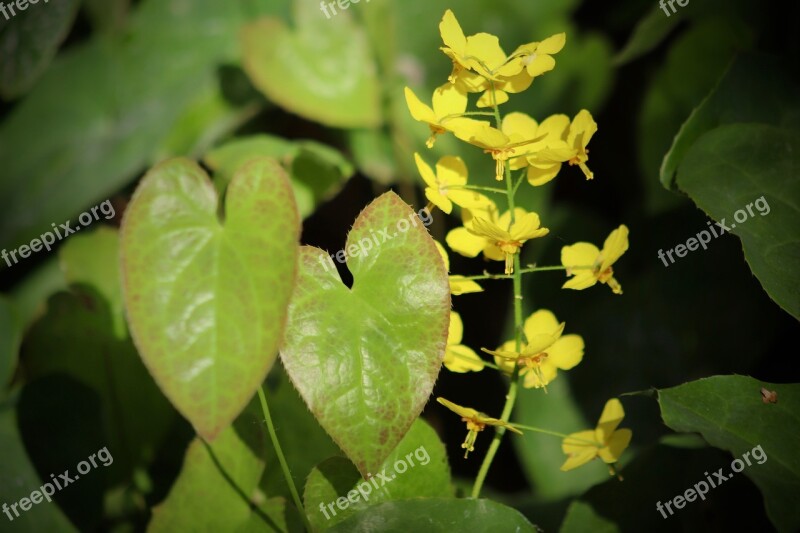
(511, 397)
(279, 452)
(530, 270)
(477, 188)
(519, 181)
(556, 434)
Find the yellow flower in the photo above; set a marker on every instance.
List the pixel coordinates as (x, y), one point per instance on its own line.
(476, 422)
(444, 186)
(464, 242)
(480, 53)
(534, 58)
(580, 133)
(545, 352)
(458, 284)
(457, 357)
(502, 147)
(605, 441)
(589, 265)
(449, 102)
(544, 156)
(505, 243)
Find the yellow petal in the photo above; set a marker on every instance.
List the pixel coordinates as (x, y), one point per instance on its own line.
(466, 412)
(579, 442)
(486, 100)
(456, 329)
(616, 445)
(538, 176)
(540, 64)
(579, 459)
(581, 130)
(521, 124)
(555, 126)
(460, 240)
(616, 244)
(461, 359)
(583, 279)
(566, 352)
(516, 83)
(486, 51)
(485, 228)
(484, 136)
(582, 254)
(468, 199)
(613, 413)
(425, 171)
(451, 170)
(527, 227)
(452, 34)
(541, 322)
(459, 285)
(448, 99)
(553, 44)
(492, 252)
(418, 110)
(439, 200)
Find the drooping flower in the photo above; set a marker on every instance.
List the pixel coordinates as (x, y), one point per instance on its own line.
(605, 441)
(445, 186)
(544, 156)
(480, 53)
(449, 102)
(545, 353)
(502, 147)
(504, 244)
(458, 357)
(589, 265)
(581, 130)
(476, 422)
(458, 284)
(462, 240)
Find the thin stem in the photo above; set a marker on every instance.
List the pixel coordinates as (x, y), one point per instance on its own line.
(511, 397)
(487, 275)
(279, 452)
(478, 188)
(519, 181)
(557, 434)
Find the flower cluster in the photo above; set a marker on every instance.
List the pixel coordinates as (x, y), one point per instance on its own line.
(535, 151)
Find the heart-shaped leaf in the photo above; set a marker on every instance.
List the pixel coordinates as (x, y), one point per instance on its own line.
(365, 359)
(207, 300)
(324, 71)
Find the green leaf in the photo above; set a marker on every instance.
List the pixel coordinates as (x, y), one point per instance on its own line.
(436, 515)
(738, 97)
(651, 30)
(217, 490)
(365, 359)
(124, 93)
(323, 70)
(29, 40)
(107, 15)
(92, 259)
(759, 166)
(729, 413)
(77, 337)
(10, 336)
(20, 479)
(582, 518)
(416, 468)
(206, 299)
(540, 454)
(316, 170)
